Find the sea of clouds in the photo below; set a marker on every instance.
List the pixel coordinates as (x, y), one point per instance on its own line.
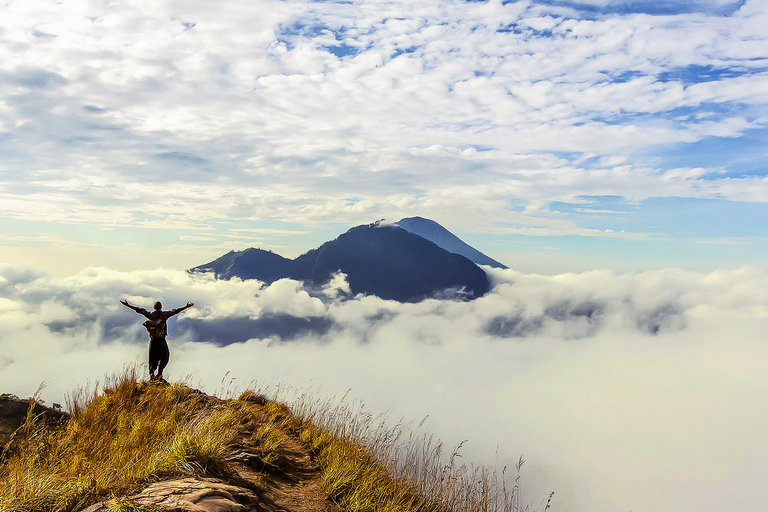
(642, 392)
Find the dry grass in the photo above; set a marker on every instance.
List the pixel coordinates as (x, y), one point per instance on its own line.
(369, 465)
(268, 439)
(139, 432)
(133, 433)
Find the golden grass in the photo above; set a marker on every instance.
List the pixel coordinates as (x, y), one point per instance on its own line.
(250, 396)
(370, 466)
(136, 432)
(133, 433)
(268, 439)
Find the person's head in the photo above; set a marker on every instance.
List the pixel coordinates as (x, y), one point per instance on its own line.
(157, 306)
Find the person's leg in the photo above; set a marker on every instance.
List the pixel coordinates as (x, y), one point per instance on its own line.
(164, 356)
(154, 358)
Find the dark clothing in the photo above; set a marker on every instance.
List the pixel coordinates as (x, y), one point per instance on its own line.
(158, 355)
(157, 328)
(156, 324)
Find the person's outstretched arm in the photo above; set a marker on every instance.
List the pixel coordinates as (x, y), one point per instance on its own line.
(176, 311)
(137, 309)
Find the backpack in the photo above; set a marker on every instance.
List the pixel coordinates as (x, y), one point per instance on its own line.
(156, 328)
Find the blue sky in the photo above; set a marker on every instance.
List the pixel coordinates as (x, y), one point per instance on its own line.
(555, 136)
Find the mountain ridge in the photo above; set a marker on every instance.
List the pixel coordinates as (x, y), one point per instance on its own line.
(378, 259)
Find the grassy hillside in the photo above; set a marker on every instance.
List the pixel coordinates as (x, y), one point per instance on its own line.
(134, 433)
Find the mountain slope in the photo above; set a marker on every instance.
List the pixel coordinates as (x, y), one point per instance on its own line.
(391, 263)
(386, 261)
(249, 264)
(437, 234)
(141, 446)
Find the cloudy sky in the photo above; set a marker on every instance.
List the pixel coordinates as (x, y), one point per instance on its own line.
(556, 136)
(611, 152)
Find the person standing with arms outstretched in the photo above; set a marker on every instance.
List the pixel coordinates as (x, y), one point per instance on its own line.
(157, 329)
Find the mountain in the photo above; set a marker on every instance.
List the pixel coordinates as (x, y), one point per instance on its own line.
(249, 264)
(392, 263)
(382, 260)
(436, 233)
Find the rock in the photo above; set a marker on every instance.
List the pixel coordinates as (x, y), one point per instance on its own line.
(191, 495)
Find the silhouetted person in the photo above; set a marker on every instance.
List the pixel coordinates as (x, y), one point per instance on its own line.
(157, 329)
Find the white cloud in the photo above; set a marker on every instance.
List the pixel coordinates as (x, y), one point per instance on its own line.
(179, 115)
(607, 383)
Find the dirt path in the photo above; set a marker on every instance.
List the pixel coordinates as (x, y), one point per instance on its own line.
(291, 484)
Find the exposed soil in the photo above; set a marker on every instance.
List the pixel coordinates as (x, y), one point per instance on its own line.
(291, 484)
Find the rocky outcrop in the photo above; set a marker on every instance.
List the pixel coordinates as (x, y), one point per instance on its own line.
(190, 495)
(13, 417)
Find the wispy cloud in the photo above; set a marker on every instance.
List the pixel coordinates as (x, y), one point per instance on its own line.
(282, 111)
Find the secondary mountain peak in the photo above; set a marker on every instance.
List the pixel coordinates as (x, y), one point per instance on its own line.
(437, 234)
(250, 263)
